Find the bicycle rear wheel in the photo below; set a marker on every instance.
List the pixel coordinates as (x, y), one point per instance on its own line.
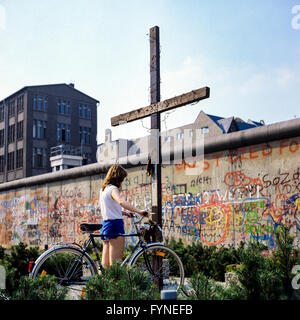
(162, 265)
(69, 265)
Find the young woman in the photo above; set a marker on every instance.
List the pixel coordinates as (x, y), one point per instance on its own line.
(111, 204)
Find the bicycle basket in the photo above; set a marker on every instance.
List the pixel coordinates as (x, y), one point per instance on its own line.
(152, 233)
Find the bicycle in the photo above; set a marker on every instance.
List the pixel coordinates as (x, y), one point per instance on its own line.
(73, 266)
(3, 296)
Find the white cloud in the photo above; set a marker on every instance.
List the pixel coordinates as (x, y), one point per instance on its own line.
(2, 18)
(245, 91)
(285, 77)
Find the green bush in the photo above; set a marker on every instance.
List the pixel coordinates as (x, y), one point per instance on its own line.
(268, 277)
(253, 267)
(286, 258)
(204, 288)
(220, 259)
(232, 268)
(2, 252)
(120, 283)
(210, 260)
(16, 264)
(234, 292)
(262, 276)
(41, 288)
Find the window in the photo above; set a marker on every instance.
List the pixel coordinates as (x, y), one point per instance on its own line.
(20, 129)
(63, 107)
(11, 161)
(20, 104)
(89, 112)
(167, 139)
(39, 158)
(1, 112)
(39, 128)
(59, 107)
(34, 102)
(191, 133)
(82, 135)
(11, 133)
(204, 130)
(19, 163)
(85, 135)
(85, 111)
(11, 108)
(63, 132)
(89, 140)
(34, 128)
(87, 158)
(45, 104)
(180, 136)
(40, 103)
(1, 137)
(68, 107)
(58, 132)
(1, 163)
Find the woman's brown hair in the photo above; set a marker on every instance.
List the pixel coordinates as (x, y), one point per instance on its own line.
(115, 176)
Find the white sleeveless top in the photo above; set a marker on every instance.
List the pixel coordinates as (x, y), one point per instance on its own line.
(110, 209)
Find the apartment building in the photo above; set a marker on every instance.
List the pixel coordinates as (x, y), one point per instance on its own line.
(36, 118)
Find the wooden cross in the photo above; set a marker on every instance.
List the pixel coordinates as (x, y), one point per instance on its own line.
(154, 110)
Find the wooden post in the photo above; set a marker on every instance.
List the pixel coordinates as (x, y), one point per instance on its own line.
(154, 110)
(155, 146)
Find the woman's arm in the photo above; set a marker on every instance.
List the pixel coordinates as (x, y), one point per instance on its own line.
(125, 204)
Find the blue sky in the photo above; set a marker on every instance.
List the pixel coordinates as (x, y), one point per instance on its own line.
(246, 51)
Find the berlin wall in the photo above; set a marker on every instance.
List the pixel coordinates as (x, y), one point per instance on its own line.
(250, 183)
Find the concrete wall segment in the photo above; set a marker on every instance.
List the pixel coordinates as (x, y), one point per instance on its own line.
(243, 193)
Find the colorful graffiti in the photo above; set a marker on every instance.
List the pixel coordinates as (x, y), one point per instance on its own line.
(241, 195)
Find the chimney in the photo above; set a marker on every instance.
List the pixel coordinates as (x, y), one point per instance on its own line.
(71, 85)
(107, 135)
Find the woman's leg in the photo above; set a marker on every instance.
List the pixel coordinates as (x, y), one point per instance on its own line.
(116, 249)
(105, 254)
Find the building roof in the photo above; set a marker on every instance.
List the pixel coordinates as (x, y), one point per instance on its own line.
(233, 124)
(70, 86)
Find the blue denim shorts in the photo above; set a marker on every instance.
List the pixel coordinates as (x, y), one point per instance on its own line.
(113, 227)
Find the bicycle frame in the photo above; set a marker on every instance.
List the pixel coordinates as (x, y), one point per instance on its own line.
(130, 257)
(141, 244)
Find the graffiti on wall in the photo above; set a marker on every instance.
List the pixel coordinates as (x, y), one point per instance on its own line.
(241, 195)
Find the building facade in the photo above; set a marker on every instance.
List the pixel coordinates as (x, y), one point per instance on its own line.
(172, 140)
(37, 118)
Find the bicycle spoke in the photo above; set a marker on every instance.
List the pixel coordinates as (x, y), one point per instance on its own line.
(70, 266)
(162, 266)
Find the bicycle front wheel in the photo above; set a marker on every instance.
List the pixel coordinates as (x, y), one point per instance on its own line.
(69, 265)
(162, 265)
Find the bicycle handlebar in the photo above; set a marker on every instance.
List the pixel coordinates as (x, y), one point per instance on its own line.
(138, 219)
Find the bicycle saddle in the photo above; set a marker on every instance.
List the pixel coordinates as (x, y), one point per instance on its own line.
(90, 227)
